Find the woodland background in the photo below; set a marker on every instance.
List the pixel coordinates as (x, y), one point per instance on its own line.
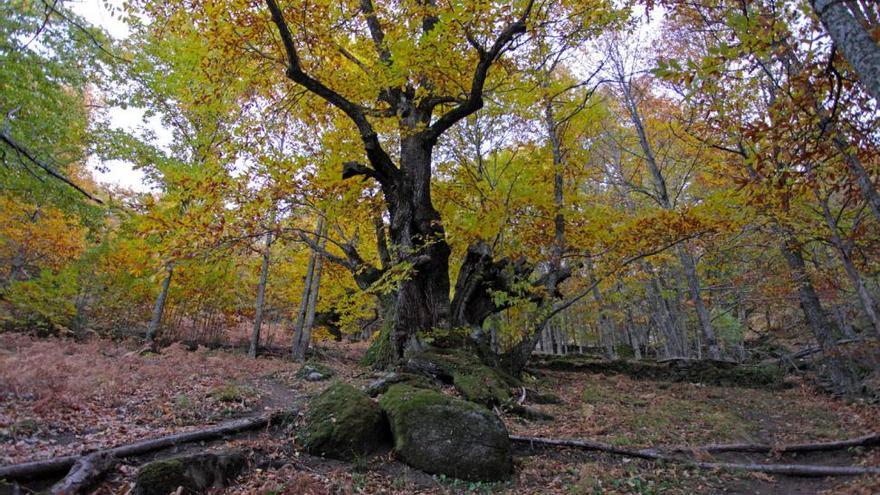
(664, 211)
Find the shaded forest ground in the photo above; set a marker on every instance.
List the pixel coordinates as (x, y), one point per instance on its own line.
(62, 397)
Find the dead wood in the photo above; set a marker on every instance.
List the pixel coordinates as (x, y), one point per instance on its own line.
(863, 441)
(53, 467)
(85, 473)
(656, 455)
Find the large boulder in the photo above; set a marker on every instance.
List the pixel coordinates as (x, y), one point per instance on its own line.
(444, 435)
(196, 473)
(343, 423)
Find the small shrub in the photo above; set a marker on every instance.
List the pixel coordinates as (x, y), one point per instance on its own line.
(230, 393)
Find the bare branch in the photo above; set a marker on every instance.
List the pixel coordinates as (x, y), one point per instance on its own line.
(24, 152)
(379, 159)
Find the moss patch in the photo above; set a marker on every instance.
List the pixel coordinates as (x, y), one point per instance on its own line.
(161, 477)
(226, 393)
(473, 379)
(380, 355)
(343, 423)
(195, 473)
(381, 385)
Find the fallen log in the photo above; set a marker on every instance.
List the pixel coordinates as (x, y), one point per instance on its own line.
(59, 465)
(85, 473)
(863, 441)
(649, 454)
(655, 455)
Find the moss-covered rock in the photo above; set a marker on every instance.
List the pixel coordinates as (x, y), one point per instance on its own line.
(444, 435)
(195, 473)
(542, 398)
(481, 384)
(343, 423)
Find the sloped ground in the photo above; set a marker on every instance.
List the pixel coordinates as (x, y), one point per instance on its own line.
(61, 397)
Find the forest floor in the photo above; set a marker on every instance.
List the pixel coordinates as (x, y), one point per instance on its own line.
(61, 397)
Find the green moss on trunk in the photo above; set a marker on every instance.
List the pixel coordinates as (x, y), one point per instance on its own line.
(380, 354)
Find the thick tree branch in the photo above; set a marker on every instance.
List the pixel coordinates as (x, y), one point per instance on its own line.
(474, 100)
(376, 31)
(379, 159)
(59, 465)
(354, 169)
(365, 274)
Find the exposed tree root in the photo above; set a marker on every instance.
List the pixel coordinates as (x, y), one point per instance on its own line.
(53, 467)
(656, 455)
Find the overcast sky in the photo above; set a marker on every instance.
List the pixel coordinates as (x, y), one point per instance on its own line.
(117, 172)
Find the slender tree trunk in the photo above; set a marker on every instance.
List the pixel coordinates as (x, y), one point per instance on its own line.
(313, 304)
(517, 357)
(690, 271)
(307, 287)
(261, 297)
(865, 297)
(300, 340)
(807, 295)
(853, 40)
(676, 340)
(841, 376)
(607, 327)
(662, 196)
(159, 308)
(843, 322)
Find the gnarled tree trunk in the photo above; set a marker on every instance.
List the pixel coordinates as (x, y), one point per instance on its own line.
(423, 298)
